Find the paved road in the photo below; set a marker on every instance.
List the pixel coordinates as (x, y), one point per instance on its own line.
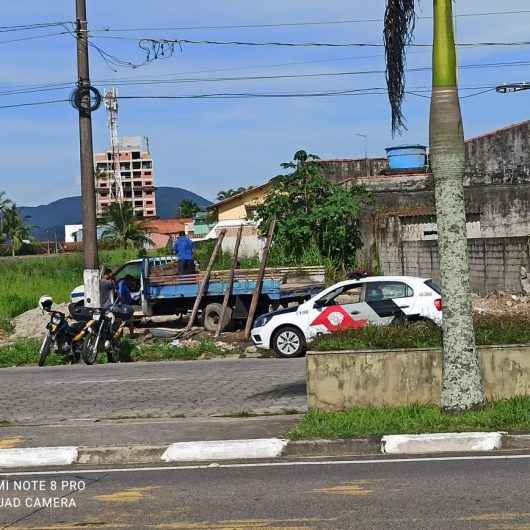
(142, 390)
(428, 494)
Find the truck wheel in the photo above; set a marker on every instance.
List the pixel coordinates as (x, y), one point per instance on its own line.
(212, 316)
(288, 342)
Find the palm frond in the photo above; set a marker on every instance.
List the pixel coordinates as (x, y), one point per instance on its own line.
(400, 19)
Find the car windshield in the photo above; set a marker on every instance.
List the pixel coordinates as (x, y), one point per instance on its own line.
(434, 286)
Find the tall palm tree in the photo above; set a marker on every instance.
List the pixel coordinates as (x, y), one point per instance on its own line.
(462, 386)
(16, 229)
(122, 227)
(5, 203)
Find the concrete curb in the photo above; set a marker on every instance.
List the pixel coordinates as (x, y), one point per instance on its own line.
(261, 449)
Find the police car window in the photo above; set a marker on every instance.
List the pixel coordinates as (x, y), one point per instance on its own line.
(343, 296)
(387, 290)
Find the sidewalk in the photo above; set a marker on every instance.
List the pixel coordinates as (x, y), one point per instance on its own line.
(154, 432)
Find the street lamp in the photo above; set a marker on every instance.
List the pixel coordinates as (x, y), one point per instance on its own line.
(365, 151)
(512, 87)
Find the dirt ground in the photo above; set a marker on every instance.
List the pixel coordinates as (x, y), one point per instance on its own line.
(502, 304)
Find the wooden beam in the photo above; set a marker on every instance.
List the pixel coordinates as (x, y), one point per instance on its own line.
(230, 286)
(259, 281)
(205, 281)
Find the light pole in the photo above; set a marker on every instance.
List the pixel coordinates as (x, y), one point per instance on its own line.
(512, 87)
(365, 137)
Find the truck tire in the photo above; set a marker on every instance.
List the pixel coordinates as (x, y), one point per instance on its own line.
(288, 342)
(212, 316)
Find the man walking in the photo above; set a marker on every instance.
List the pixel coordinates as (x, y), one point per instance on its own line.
(184, 252)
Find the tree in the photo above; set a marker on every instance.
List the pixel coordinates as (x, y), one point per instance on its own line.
(222, 195)
(5, 203)
(313, 213)
(16, 229)
(122, 227)
(188, 208)
(462, 386)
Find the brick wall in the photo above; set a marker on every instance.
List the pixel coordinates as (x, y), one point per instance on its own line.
(495, 262)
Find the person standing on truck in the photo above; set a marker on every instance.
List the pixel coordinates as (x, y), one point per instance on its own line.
(184, 252)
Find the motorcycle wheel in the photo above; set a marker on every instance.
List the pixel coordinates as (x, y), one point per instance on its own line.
(87, 353)
(45, 349)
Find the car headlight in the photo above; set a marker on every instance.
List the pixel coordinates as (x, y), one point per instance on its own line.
(262, 321)
(57, 319)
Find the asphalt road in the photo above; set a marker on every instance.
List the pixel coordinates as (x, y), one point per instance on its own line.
(477, 492)
(152, 390)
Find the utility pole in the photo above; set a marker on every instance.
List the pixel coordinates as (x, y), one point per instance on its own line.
(365, 137)
(83, 102)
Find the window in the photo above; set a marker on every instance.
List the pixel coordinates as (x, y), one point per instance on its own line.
(147, 173)
(434, 286)
(137, 165)
(135, 155)
(137, 174)
(147, 165)
(376, 291)
(349, 294)
(129, 269)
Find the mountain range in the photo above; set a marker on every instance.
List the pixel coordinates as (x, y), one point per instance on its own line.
(49, 219)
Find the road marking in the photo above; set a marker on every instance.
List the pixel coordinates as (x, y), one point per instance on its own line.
(11, 442)
(126, 496)
(110, 381)
(266, 464)
(358, 488)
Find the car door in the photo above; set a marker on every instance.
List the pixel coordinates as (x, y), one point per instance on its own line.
(338, 310)
(388, 300)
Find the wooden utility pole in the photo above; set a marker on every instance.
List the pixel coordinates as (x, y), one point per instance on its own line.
(204, 283)
(88, 192)
(259, 281)
(229, 288)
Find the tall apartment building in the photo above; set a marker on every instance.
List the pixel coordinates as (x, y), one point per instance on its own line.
(135, 171)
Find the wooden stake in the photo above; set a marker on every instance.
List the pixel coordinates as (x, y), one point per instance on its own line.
(229, 288)
(205, 281)
(259, 281)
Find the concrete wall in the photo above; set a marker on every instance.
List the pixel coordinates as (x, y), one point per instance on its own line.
(342, 380)
(339, 170)
(495, 262)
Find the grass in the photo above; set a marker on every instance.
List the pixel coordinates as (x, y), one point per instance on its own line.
(488, 331)
(24, 281)
(511, 415)
(25, 352)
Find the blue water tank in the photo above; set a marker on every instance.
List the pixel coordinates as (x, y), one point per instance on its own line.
(407, 157)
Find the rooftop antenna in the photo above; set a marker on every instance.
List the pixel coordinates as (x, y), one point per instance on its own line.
(111, 103)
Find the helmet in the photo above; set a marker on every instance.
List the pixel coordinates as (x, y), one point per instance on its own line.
(45, 302)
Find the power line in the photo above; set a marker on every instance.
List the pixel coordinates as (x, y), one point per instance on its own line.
(34, 103)
(33, 37)
(293, 24)
(29, 27)
(146, 82)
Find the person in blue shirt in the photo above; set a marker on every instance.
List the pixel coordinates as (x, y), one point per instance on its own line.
(184, 252)
(123, 289)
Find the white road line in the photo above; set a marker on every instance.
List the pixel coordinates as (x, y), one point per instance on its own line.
(268, 464)
(109, 381)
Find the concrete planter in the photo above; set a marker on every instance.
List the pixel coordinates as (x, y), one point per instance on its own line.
(374, 378)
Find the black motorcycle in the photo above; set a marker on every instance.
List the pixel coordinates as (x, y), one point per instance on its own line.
(104, 333)
(63, 336)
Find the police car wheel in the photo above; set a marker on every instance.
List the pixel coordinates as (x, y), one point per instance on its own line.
(288, 342)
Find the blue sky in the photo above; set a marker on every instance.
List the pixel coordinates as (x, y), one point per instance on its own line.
(206, 146)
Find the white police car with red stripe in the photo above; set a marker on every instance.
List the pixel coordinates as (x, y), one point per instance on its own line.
(352, 304)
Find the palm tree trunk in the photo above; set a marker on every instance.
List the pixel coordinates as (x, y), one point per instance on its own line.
(462, 383)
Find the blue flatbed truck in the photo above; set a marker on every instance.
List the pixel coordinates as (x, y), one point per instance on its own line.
(163, 292)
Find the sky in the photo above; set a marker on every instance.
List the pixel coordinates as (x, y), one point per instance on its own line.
(209, 145)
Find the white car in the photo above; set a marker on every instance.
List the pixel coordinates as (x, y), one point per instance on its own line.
(351, 304)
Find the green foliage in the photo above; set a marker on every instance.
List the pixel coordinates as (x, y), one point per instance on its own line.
(222, 195)
(24, 280)
(13, 226)
(122, 227)
(188, 208)
(314, 216)
(25, 352)
(488, 331)
(512, 415)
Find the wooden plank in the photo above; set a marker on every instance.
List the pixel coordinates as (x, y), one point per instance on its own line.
(259, 283)
(229, 288)
(204, 283)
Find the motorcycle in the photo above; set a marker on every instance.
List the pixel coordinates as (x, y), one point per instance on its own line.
(104, 333)
(62, 336)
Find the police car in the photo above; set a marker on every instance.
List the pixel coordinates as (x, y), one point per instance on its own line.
(351, 304)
